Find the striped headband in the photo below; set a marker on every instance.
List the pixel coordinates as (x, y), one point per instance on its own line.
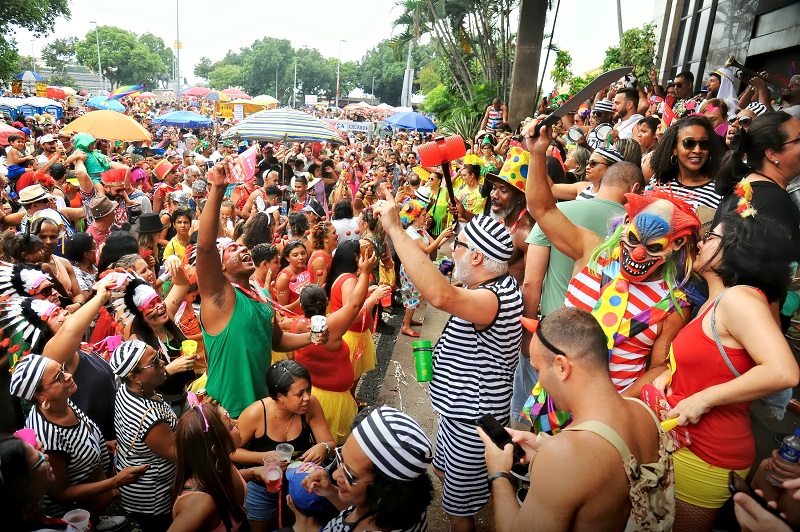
(609, 153)
(395, 443)
(489, 237)
(126, 356)
(27, 375)
(757, 107)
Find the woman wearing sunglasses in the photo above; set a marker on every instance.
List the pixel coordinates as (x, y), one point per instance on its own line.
(27, 475)
(144, 423)
(743, 119)
(76, 448)
(686, 160)
(732, 353)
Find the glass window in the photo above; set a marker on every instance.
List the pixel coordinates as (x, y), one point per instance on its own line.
(702, 32)
(683, 40)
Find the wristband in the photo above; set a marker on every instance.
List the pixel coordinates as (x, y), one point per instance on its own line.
(499, 474)
(327, 448)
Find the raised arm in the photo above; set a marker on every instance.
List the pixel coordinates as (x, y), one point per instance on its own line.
(570, 239)
(217, 295)
(340, 321)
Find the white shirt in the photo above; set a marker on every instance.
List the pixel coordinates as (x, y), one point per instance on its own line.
(625, 127)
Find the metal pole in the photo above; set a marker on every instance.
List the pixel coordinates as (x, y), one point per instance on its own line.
(276, 82)
(33, 57)
(546, 58)
(99, 64)
(294, 89)
(373, 87)
(177, 50)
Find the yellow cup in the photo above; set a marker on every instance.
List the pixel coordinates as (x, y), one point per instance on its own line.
(189, 347)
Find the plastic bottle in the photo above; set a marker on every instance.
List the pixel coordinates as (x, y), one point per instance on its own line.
(788, 452)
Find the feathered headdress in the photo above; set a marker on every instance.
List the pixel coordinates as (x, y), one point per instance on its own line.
(128, 300)
(24, 326)
(21, 280)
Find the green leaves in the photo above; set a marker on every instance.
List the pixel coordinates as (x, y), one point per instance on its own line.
(126, 60)
(36, 16)
(637, 48)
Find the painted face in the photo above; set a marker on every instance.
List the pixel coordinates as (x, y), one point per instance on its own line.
(155, 313)
(646, 243)
(236, 259)
(57, 318)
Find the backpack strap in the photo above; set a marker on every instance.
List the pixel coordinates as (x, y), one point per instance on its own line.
(609, 434)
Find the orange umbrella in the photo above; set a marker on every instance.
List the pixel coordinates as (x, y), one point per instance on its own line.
(109, 125)
(55, 92)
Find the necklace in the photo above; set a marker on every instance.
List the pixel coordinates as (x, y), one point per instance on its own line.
(290, 424)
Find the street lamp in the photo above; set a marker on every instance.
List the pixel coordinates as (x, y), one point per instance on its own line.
(373, 87)
(338, 66)
(99, 65)
(33, 57)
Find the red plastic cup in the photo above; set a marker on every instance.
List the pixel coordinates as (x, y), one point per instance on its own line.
(386, 301)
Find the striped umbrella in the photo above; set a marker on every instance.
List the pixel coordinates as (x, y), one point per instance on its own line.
(125, 90)
(283, 125)
(217, 96)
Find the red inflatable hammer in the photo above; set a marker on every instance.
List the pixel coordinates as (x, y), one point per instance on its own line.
(442, 151)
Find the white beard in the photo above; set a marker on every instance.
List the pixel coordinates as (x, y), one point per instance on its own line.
(501, 215)
(462, 270)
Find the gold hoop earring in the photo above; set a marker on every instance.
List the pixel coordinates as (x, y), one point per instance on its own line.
(673, 160)
(45, 405)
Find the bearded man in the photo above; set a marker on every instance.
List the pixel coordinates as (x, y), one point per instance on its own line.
(631, 281)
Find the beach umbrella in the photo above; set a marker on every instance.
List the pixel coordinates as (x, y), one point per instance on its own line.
(146, 96)
(6, 130)
(196, 92)
(217, 96)
(55, 92)
(411, 120)
(69, 90)
(183, 119)
(384, 107)
(266, 100)
(169, 94)
(103, 102)
(359, 105)
(108, 125)
(125, 90)
(283, 125)
(236, 93)
(29, 76)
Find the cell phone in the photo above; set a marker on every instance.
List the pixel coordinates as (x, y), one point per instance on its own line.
(737, 485)
(499, 435)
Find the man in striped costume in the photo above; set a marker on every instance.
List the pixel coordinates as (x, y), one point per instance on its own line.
(476, 355)
(631, 281)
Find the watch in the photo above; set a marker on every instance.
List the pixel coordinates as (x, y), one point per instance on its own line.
(499, 474)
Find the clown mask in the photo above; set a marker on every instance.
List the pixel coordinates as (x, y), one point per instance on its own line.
(648, 241)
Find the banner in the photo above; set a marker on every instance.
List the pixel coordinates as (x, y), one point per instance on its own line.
(16, 86)
(244, 167)
(225, 110)
(311, 99)
(41, 89)
(238, 111)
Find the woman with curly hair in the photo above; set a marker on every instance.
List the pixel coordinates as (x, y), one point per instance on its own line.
(686, 161)
(415, 214)
(324, 240)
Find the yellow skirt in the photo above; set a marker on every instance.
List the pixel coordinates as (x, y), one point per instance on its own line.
(699, 483)
(364, 344)
(340, 408)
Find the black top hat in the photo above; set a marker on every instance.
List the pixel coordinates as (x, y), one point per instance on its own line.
(150, 222)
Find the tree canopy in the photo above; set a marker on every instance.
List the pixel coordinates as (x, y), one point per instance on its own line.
(126, 59)
(36, 16)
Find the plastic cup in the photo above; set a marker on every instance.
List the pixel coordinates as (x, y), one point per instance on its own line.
(285, 451)
(423, 359)
(78, 519)
(273, 474)
(189, 347)
(317, 326)
(386, 301)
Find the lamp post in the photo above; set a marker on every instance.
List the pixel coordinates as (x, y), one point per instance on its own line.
(178, 46)
(373, 87)
(338, 66)
(33, 57)
(99, 65)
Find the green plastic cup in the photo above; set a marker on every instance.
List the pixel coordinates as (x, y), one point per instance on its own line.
(423, 359)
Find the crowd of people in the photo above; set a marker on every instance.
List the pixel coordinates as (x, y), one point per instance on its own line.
(166, 326)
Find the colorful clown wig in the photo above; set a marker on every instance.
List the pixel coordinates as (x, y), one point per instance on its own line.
(410, 210)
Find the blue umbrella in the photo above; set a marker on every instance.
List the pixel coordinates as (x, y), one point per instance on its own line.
(102, 102)
(411, 120)
(29, 76)
(183, 119)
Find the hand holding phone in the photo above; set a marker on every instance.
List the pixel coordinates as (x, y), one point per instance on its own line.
(499, 435)
(737, 485)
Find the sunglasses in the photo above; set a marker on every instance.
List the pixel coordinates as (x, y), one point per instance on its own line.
(348, 476)
(42, 459)
(593, 163)
(60, 375)
(744, 121)
(709, 235)
(158, 361)
(689, 144)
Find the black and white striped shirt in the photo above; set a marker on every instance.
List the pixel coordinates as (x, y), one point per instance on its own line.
(473, 369)
(586, 194)
(134, 418)
(338, 523)
(81, 444)
(694, 195)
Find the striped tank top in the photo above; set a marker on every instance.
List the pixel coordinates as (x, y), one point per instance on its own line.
(628, 360)
(473, 369)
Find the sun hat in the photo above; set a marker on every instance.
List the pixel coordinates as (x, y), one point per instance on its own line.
(423, 194)
(489, 237)
(395, 443)
(33, 193)
(102, 206)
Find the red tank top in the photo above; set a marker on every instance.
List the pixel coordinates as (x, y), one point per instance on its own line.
(314, 256)
(363, 321)
(723, 437)
(330, 370)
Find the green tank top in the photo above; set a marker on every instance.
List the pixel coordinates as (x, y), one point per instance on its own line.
(239, 356)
